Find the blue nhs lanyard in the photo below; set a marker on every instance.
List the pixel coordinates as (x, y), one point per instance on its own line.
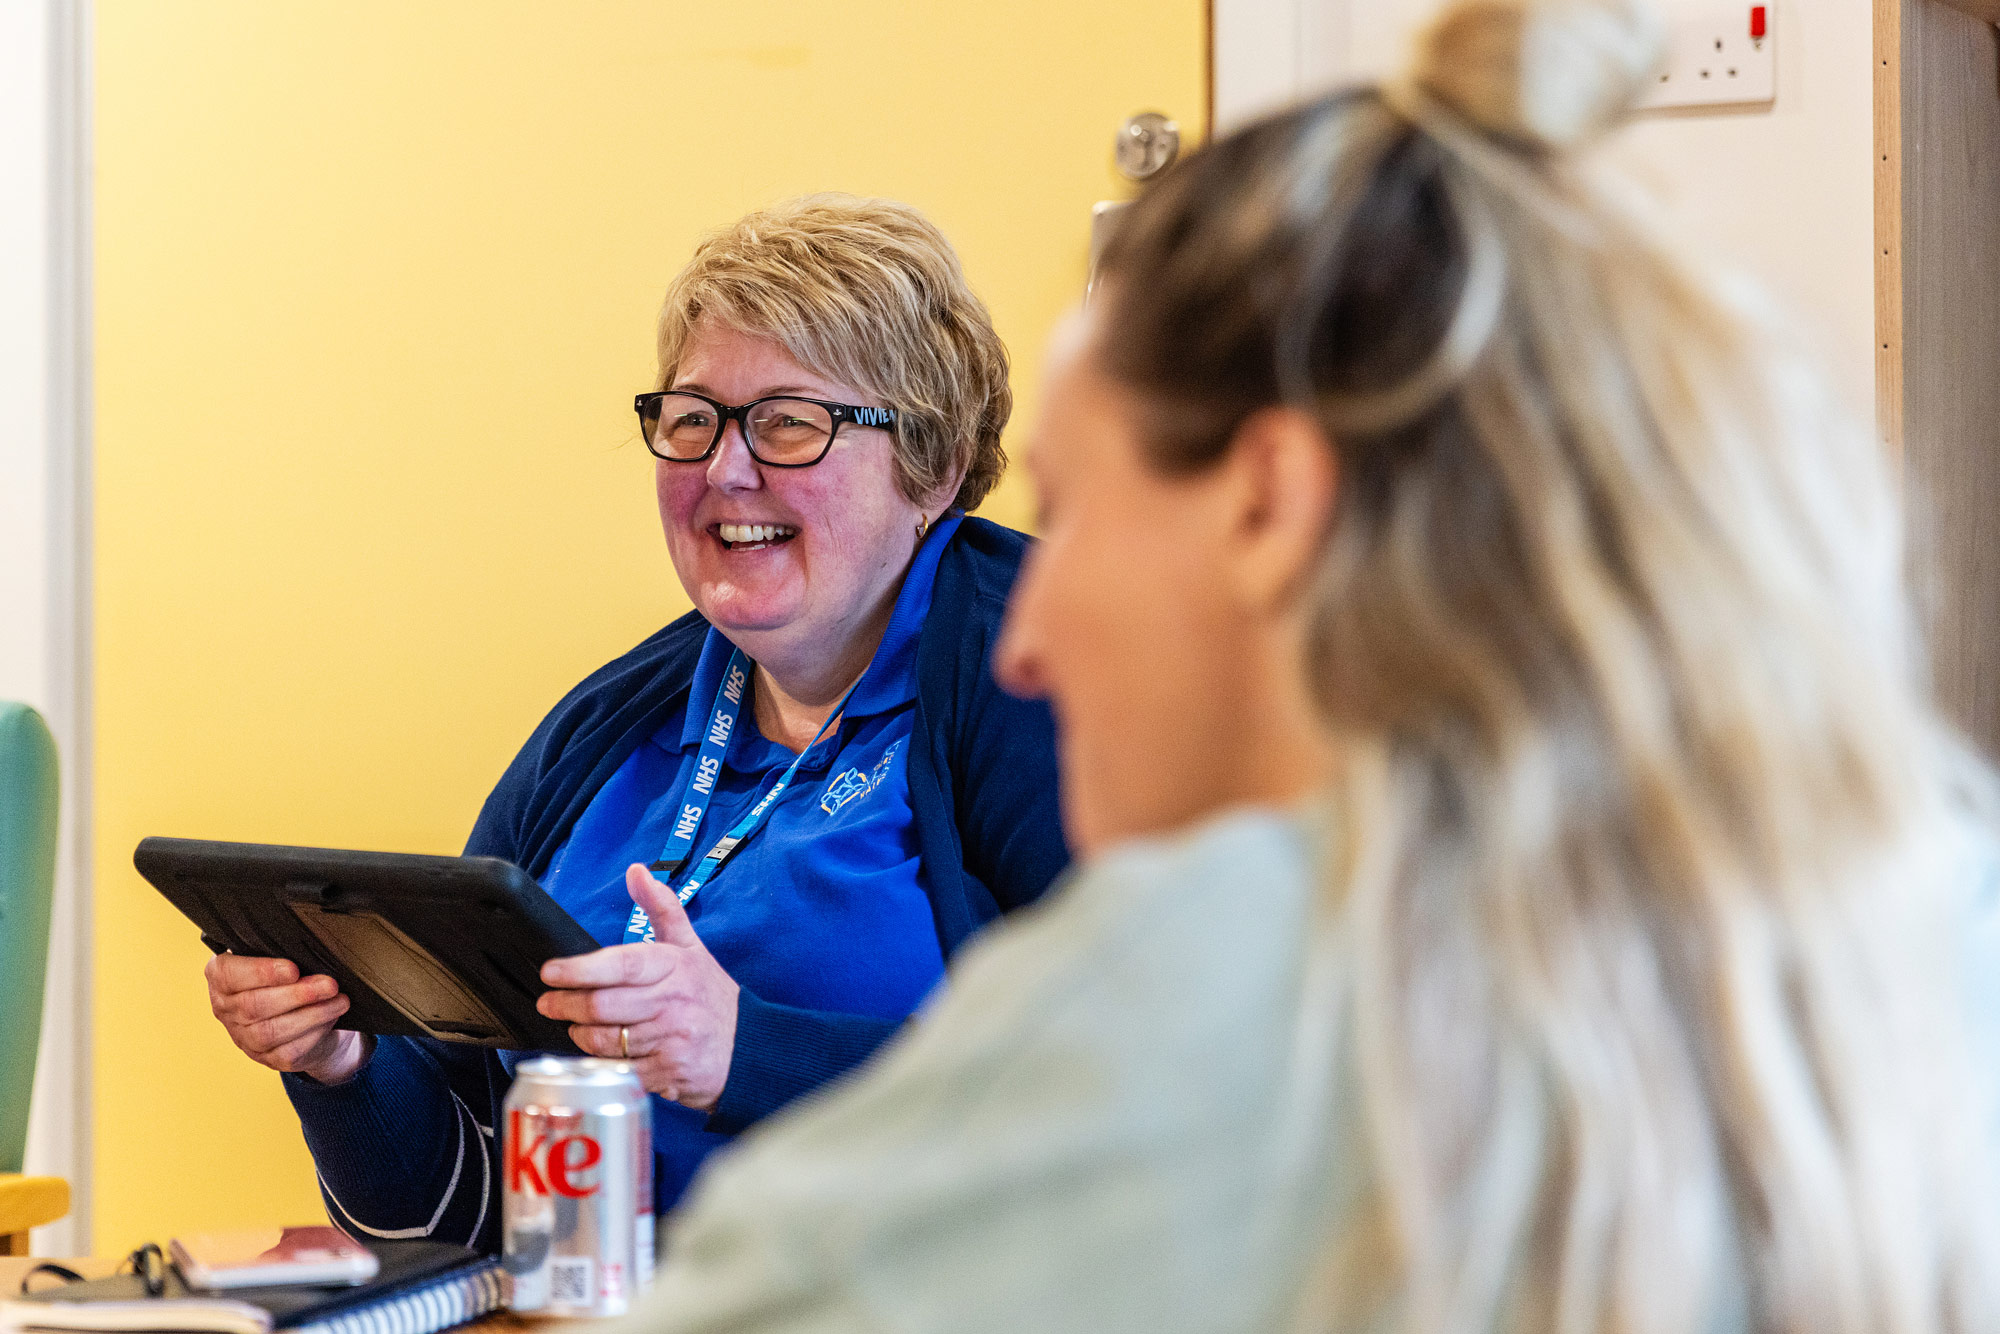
(694, 802)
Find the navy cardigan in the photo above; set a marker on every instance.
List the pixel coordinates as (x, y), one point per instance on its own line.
(409, 1146)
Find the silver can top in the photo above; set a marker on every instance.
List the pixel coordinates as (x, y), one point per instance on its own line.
(576, 1072)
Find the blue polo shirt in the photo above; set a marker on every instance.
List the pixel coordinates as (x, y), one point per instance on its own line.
(823, 907)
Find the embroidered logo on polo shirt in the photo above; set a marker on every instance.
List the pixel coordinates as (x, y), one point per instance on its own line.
(853, 785)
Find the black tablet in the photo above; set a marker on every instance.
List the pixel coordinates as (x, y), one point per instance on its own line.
(442, 947)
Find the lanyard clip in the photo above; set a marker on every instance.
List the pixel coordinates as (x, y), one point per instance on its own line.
(664, 868)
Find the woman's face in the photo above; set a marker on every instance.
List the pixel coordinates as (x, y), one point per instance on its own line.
(1126, 617)
(845, 533)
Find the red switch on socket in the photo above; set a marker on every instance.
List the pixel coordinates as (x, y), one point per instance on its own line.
(1757, 22)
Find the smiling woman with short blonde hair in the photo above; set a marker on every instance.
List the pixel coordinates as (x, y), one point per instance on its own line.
(784, 812)
(868, 292)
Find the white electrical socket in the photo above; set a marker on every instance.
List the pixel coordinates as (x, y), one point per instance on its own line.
(1715, 58)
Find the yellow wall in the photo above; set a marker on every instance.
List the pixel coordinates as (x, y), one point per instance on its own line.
(375, 284)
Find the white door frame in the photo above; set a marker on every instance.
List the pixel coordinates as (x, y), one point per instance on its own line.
(45, 505)
(1272, 52)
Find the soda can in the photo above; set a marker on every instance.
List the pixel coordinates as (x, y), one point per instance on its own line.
(576, 1210)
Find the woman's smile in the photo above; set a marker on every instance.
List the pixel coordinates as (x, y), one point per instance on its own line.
(737, 537)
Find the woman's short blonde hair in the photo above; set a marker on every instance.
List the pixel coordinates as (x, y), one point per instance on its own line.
(868, 292)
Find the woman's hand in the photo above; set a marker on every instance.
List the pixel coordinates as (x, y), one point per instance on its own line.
(675, 1004)
(282, 1020)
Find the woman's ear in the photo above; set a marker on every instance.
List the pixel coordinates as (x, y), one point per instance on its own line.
(1283, 477)
(942, 497)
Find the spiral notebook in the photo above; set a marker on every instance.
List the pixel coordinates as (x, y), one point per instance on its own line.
(422, 1287)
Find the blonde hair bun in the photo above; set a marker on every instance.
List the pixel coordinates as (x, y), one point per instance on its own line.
(1549, 73)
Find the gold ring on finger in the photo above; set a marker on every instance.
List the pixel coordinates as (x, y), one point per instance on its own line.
(624, 1042)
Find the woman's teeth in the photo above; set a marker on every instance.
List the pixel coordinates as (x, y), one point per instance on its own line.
(749, 533)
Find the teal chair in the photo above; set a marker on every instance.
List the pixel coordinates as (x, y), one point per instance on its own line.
(27, 890)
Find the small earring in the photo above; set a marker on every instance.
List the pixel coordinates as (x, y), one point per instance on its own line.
(923, 526)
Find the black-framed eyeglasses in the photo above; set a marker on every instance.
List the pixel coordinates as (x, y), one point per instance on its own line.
(146, 1263)
(782, 431)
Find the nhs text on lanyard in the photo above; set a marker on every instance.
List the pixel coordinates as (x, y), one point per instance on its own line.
(694, 802)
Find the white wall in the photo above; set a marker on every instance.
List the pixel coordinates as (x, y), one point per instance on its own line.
(1786, 192)
(24, 373)
(43, 521)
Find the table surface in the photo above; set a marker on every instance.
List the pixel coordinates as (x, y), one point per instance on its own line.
(13, 1268)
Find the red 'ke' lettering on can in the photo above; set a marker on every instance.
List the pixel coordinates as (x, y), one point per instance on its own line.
(539, 1163)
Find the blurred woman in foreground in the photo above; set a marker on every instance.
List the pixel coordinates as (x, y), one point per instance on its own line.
(1590, 945)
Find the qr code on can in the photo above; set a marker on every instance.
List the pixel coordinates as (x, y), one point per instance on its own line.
(569, 1281)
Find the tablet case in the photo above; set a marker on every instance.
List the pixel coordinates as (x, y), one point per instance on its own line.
(442, 947)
